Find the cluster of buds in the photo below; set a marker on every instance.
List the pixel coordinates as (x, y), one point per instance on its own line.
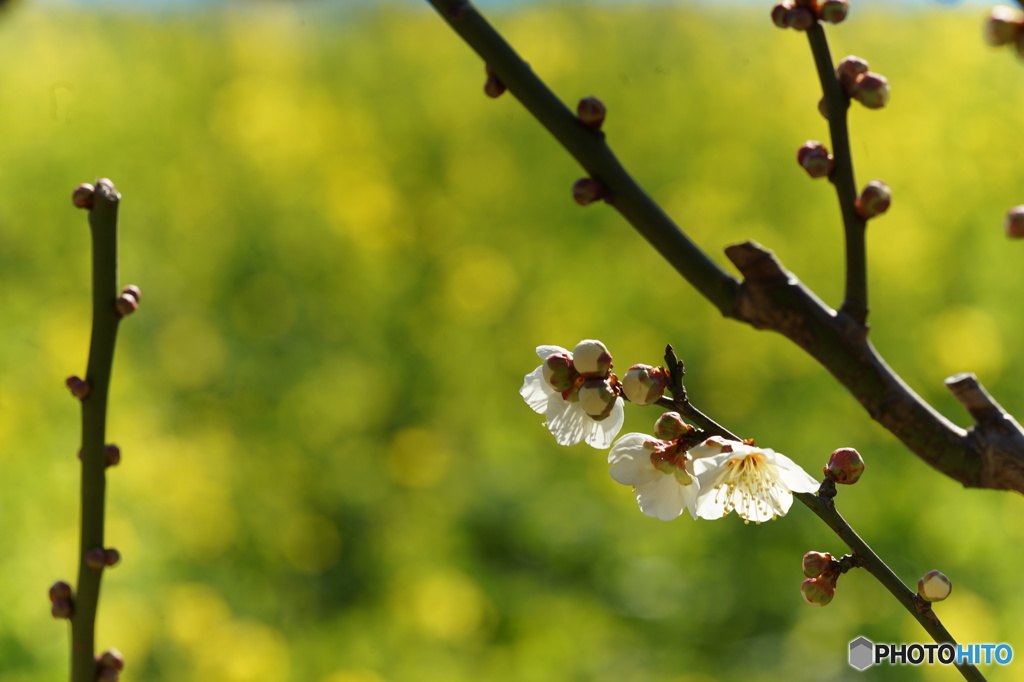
(62, 602)
(874, 200)
(1005, 26)
(821, 571)
(493, 86)
(814, 158)
(867, 87)
(934, 586)
(802, 14)
(584, 376)
(109, 665)
(845, 466)
(99, 558)
(128, 302)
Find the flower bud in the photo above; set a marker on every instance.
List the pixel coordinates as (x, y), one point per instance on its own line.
(60, 590)
(670, 426)
(96, 558)
(1003, 25)
(126, 304)
(818, 591)
(934, 586)
(874, 200)
(82, 197)
(845, 466)
(848, 70)
(780, 13)
(591, 112)
(591, 359)
(871, 90)
(107, 675)
(134, 291)
(78, 386)
(1014, 223)
(816, 563)
(645, 385)
(833, 11)
(588, 190)
(800, 18)
(111, 557)
(113, 454)
(493, 86)
(111, 658)
(815, 159)
(62, 608)
(559, 372)
(597, 398)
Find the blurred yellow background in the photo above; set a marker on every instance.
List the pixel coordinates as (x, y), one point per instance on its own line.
(347, 255)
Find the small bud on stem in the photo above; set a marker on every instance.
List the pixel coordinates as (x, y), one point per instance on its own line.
(588, 190)
(591, 112)
(493, 86)
(1014, 223)
(814, 158)
(82, 197)
(845, 466)
(871, 90)
(934, 586)
(78, 386)
(833, 11)
(874, 200)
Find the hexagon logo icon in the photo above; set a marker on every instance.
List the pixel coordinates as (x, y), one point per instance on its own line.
(862, 653)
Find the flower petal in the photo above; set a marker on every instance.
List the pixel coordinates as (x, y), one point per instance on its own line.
(664, 498)
(536, 392)
(630, 461)
(567, 421)
(795, 478)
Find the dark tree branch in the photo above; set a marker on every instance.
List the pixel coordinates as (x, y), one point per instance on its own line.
(770, 297)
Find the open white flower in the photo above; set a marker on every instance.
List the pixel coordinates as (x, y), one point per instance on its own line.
(660, 472)
(566, 419)
(756, 482)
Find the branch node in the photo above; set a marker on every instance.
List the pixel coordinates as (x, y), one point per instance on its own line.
(969, 392)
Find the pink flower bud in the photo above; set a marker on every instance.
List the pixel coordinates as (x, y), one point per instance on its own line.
(597, 398)
(111, 658)
(848, 70)
(78, 386)
(591, 359)
(818, 591)
(82, 197)
(816, 563)
(670, 426)
(780, 13)
(60, 590)
(934, 586)
(845, 466)
(1014, 223)
(1003, 26)
(111, 557)
(591, 112)
(134, 291)
(96, 558)
(62, 608)
(645, 385)
(833, 11)
(113, 454)
(559, 372)
(493, 86)
(874, 200)
(800, 18)
(588, 190)
(871, 90)
(126, 304)
(814, 158)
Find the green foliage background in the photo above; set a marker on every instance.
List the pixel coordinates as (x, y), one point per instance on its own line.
(347, 255)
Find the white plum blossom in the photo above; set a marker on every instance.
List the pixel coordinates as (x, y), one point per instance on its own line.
(757, 483)
(566, 419)
(660, 472)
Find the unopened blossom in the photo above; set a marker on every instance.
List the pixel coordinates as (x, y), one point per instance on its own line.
(565, 416)
(660, 472)
(757, 483)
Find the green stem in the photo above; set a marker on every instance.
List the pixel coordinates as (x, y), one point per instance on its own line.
(837, 103)
(105, 319)
(593, 154)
